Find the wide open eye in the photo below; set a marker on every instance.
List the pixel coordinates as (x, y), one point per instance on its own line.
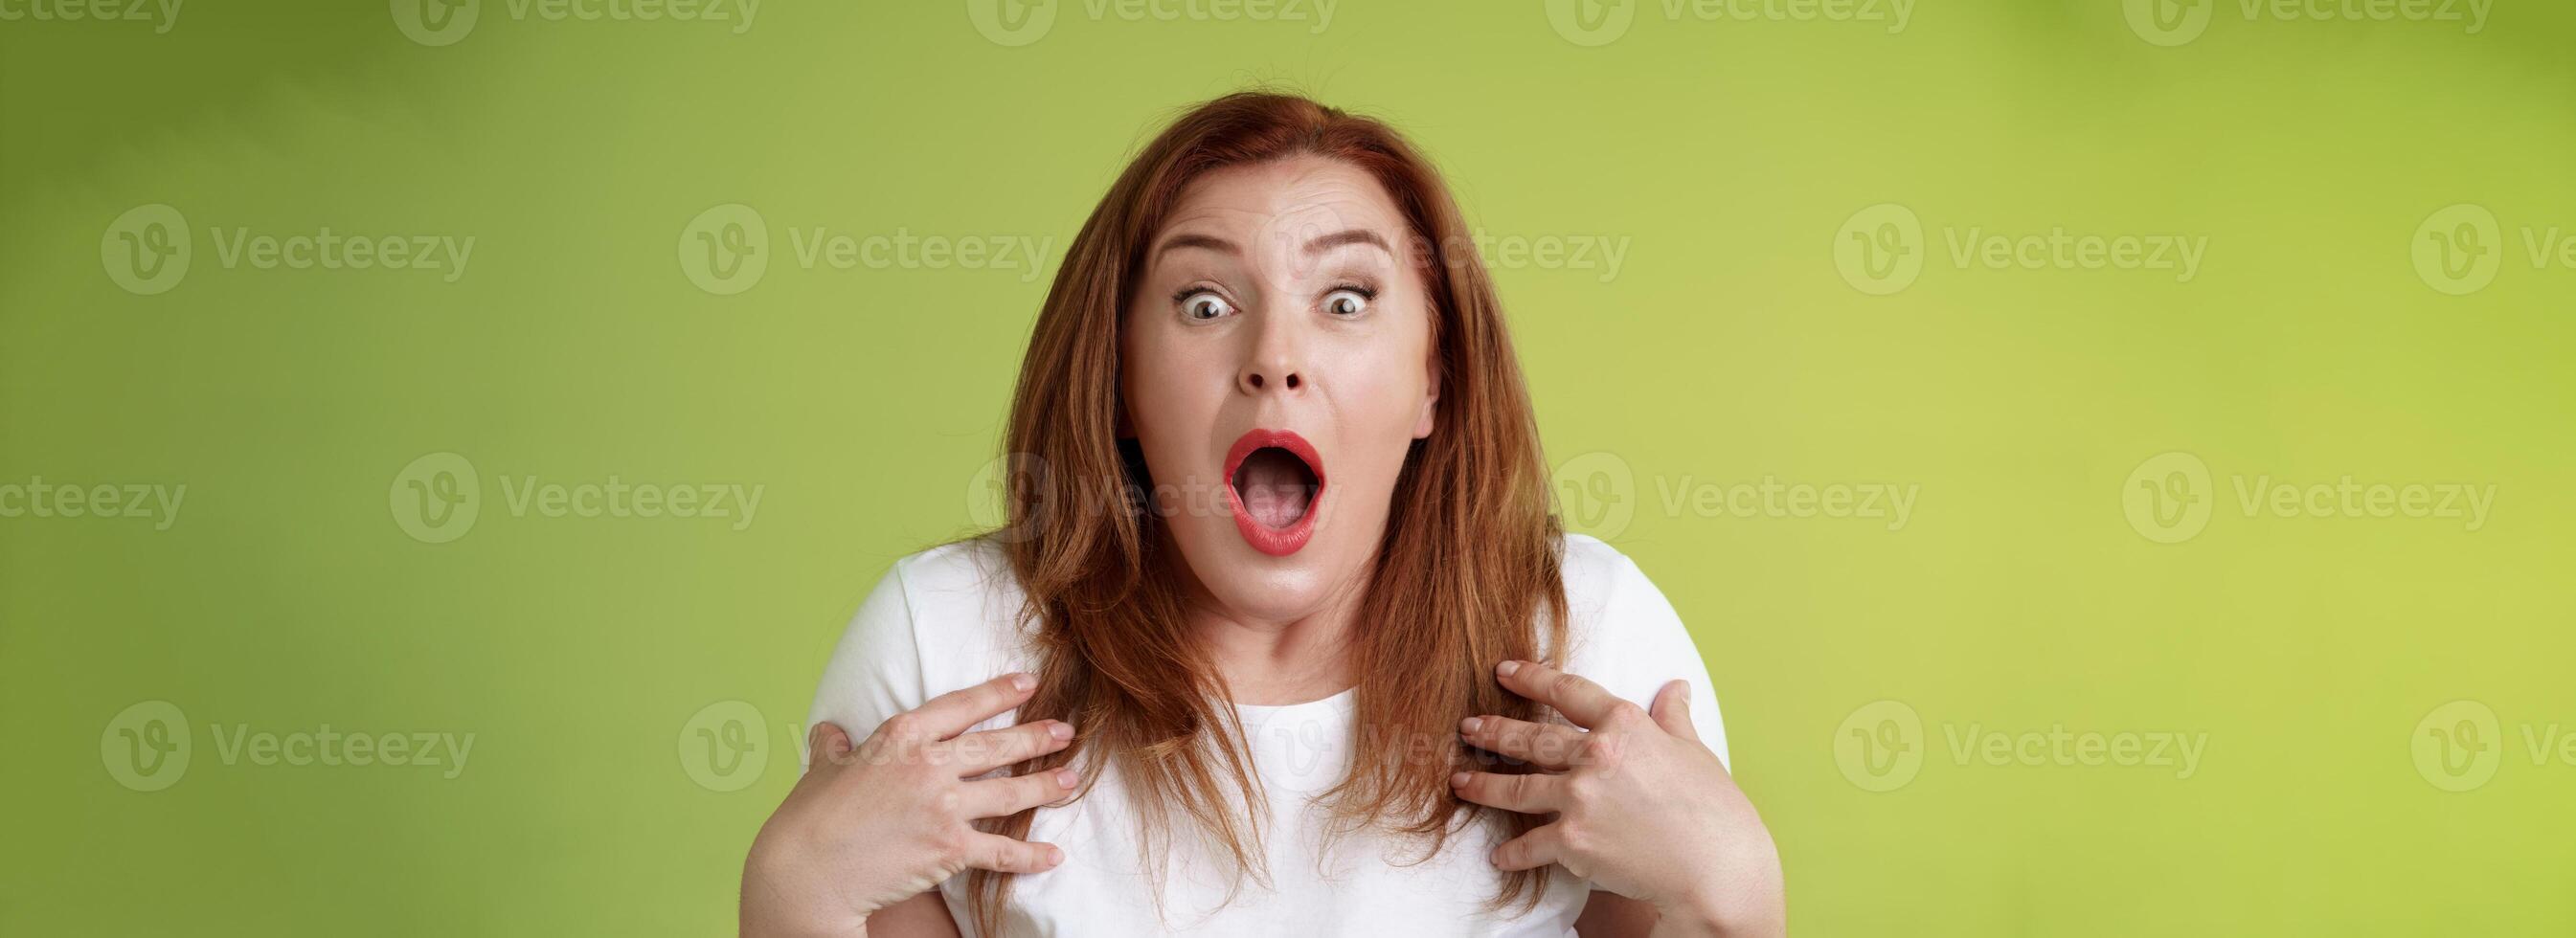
(1204, 306)
(1348, 301)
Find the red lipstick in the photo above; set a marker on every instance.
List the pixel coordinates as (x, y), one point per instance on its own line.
(1279, 516)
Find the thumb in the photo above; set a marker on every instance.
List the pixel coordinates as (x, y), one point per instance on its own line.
(1671, 709)
(826, 745)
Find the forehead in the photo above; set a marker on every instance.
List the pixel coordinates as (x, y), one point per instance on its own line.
(1305, 193)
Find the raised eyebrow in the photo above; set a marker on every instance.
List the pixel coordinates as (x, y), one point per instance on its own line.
(1348, 236)
(1208, 242)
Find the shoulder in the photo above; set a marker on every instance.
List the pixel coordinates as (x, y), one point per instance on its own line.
(1605, 593)
(938, 620)
(1623, 634)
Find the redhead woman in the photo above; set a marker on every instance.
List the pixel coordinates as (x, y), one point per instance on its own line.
(1280, 636)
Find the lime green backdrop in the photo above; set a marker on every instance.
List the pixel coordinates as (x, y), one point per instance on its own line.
(1947, 365)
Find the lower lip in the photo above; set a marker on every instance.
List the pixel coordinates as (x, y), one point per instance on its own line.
(1277, 542)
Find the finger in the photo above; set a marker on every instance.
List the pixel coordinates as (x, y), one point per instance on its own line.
(826, 744)
(1671, 709)
(1005, 855)
(1547, 745)
(1532, 793)
(1580, 700)
(1012, 794)
(1541, 846)
(978, 753)
(952, 713)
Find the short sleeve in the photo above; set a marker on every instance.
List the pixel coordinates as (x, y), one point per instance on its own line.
(875, 671)
(1634, 641)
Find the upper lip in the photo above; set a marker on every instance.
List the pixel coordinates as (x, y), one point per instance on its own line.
(1261, 438)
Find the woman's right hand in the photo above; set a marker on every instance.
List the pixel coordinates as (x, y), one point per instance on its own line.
(874, 825)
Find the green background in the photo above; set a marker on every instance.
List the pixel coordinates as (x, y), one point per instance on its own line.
(1725, 154)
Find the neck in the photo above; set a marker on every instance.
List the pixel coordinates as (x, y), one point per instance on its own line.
(1267, 662)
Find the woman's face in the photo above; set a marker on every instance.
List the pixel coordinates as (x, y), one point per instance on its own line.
(1277, 364)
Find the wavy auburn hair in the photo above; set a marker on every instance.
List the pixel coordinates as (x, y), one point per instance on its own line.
(1466, 576)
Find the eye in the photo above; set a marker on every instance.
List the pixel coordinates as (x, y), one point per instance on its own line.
(1203, 306)
(1348, 301)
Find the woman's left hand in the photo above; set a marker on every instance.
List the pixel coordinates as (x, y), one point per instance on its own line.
(1642, 807)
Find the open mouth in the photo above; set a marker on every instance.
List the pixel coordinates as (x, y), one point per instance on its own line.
(1273, 478)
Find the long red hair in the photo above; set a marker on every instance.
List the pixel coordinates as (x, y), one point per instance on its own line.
(1467, 575)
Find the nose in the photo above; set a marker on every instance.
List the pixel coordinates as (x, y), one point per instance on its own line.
(1274, 364)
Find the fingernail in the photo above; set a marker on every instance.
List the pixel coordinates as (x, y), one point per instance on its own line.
(1023, 681)
(1506, 668)
(1055, 855)
(1064, 778)
(1470, 724)
(1061, 731)
(1459, 779)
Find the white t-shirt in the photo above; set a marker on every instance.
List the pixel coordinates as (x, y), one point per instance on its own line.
(945, 618)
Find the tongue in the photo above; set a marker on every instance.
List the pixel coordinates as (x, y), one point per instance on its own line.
(1275, 487)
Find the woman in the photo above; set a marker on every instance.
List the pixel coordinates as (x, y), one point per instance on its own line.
(1279, 582)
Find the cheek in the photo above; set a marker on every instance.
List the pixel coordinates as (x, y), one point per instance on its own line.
(1386, 382)
(1172, 390)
